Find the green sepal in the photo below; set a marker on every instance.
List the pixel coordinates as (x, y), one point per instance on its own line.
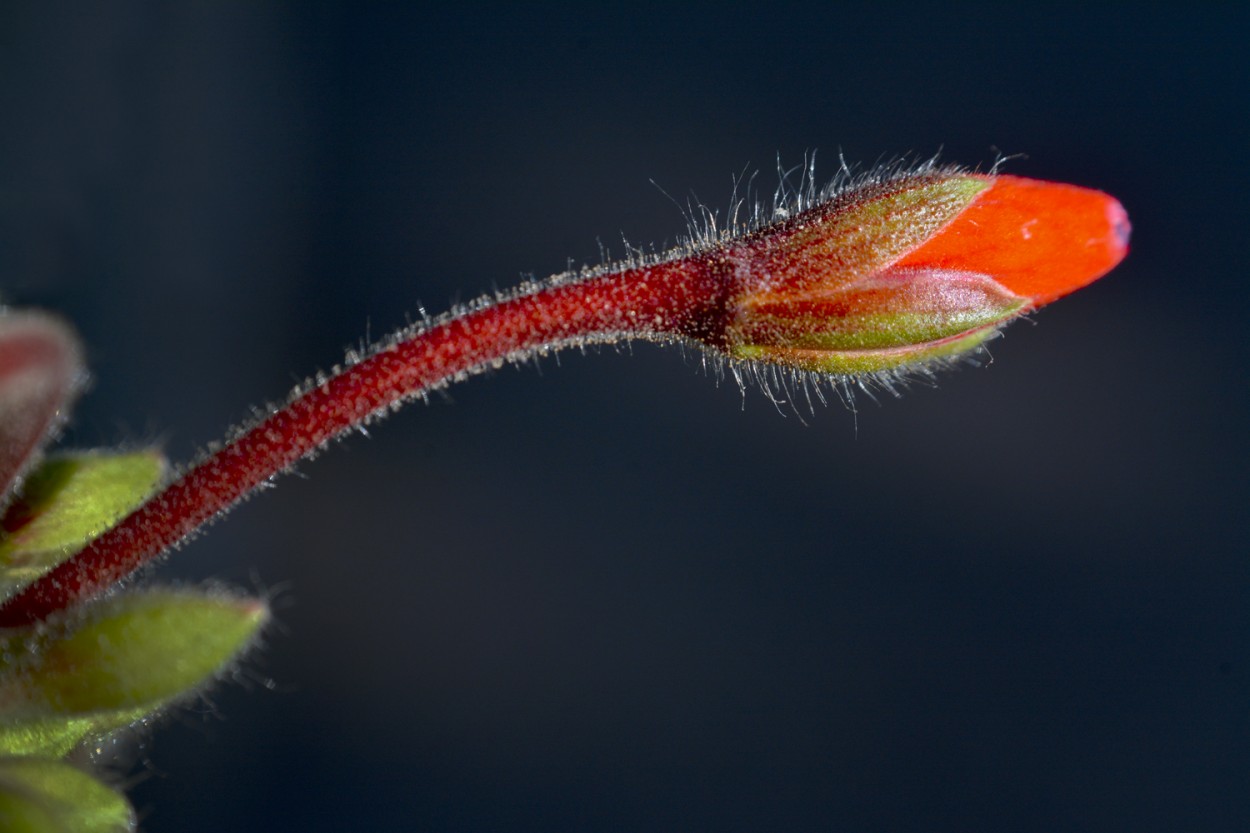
(21, 812)
(856, 235)
(897, 318)
(41, 795)
(135, 651)
(67, 501)
(855, 362)
(57, 736)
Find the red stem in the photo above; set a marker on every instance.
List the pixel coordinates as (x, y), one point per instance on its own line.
(665, 299)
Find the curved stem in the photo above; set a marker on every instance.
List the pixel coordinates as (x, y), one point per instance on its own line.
(942, 254)
(664, 299)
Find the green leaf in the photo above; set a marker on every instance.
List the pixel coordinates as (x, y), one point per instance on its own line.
(66, 502)
(42, 795)
(134, 651)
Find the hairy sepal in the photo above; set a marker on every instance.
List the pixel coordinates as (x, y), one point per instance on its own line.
(68, 500)
(120, 658)
(39, 795)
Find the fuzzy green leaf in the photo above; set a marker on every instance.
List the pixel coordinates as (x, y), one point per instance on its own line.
(41, 795)
(66, 502)
(131, 652)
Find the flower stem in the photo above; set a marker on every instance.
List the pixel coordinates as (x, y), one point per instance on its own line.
(656, 301)
(895, 272)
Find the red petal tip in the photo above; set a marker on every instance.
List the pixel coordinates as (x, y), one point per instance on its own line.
(1040, 240)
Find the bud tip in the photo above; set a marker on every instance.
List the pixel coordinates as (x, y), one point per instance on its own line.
(1040, 240)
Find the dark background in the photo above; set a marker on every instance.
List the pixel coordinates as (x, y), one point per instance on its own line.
(614, 594)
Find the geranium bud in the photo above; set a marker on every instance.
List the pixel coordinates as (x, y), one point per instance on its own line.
(899, 273)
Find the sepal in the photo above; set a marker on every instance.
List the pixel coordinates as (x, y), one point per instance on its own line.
(38, 795)
(67, 501)
(132, 652)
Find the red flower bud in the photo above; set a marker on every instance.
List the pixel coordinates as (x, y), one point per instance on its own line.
(920, 267)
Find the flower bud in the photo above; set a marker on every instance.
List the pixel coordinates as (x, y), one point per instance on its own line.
(913, 269)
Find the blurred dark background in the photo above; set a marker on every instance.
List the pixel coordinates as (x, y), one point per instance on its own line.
(613, 594)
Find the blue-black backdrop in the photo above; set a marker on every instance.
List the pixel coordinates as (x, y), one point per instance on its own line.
(611, 594)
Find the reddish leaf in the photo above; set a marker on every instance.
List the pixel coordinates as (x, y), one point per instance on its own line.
(40, 370)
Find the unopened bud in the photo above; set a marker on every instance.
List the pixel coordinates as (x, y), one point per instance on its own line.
(909, 270)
